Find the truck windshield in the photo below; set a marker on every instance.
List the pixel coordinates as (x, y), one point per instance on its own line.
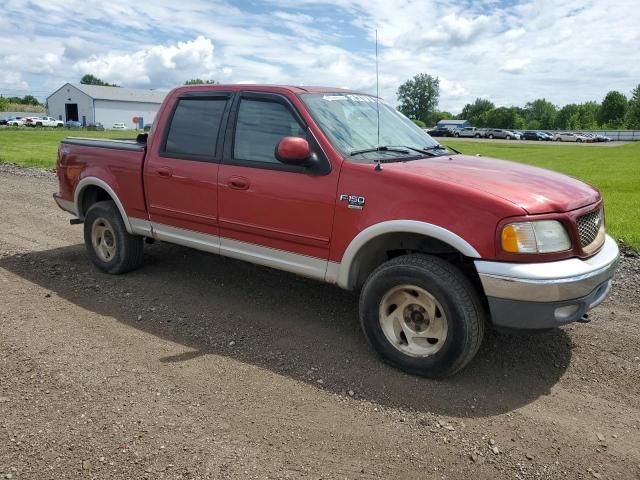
(350, 122)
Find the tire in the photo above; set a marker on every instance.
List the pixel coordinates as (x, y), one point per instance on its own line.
(578, 140)
(110, 247)
(457, 135)
(477, 136)
(558, 139)
(491, 137)
(450, 336)
(508, 137)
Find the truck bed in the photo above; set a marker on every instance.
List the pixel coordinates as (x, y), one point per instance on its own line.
(116, 163)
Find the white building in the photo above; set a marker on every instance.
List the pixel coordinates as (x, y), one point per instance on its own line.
(90, 104)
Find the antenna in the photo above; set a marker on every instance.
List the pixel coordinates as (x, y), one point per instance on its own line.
(377, 90)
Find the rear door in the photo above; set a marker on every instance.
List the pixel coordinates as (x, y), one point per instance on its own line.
(271, 213)
(181, 174)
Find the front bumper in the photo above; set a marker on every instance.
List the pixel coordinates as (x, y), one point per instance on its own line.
(547, 294)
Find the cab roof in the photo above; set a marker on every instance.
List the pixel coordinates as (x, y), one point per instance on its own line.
(266, 88)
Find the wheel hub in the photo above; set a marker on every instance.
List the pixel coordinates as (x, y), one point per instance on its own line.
(416, 318)
(413, 320)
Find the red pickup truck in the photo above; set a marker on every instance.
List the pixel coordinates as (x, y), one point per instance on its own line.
(334, 185)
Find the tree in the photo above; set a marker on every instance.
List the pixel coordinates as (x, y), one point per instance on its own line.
(540, 114)
(30, 100)
(563, 117)
(418, 97)
(474, 111)
(503, 117)
(435, 117)
(93, 80)
(613, 110)
(586, 117)
(632, 118)
(4, 104)
(199, 81)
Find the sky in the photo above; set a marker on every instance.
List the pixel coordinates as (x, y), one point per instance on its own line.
(510, 52)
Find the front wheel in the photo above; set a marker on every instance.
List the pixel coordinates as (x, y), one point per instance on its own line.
(491, 137)
(422, 315)
(110, 247)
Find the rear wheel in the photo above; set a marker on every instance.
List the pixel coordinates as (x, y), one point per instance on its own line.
(422, 315)
(477, 135)
(110, 247)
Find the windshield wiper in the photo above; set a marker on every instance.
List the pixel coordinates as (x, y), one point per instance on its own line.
(382, 148)
(453, 149)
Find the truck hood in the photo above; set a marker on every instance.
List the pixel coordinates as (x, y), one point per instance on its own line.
(534, 189)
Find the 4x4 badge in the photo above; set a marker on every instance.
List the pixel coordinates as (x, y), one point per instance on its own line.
(353, 201)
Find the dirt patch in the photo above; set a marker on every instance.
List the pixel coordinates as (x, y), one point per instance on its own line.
(198, 366)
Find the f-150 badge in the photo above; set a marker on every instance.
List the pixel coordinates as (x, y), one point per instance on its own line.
(353, 201)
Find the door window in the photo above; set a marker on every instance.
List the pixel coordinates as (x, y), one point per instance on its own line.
(259, 127)
(194, 128)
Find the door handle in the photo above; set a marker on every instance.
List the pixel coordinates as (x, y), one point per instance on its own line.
(164, 172)
(238, 183)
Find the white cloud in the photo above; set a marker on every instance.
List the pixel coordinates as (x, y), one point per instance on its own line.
(564, 50)
(158, 66)
(12, 81)
(515, 65)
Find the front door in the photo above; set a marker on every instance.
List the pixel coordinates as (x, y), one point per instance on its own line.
(271, 213)
(180, 175)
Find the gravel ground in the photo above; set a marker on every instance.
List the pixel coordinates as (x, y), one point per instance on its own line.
(198, 366)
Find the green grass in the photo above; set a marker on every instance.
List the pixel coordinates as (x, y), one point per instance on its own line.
(615, 170)
(34, 147)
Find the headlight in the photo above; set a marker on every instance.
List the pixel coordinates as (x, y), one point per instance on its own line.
(542, 236)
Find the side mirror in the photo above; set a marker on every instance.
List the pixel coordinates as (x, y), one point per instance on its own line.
(293, 151)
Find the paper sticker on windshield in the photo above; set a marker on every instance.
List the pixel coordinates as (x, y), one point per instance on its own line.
(333, 98)
(361, 98)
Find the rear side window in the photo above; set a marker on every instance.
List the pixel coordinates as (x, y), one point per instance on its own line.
(260, 126)
(193, 132)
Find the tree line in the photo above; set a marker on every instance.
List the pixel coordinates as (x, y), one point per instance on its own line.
(418, 99)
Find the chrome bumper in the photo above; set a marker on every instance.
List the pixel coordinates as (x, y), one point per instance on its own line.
(542, 295)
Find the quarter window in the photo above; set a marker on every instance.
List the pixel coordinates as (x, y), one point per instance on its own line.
(194, 128)
(260, 126)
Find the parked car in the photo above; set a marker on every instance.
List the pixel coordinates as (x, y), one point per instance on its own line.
(147, 127)
(599, 137)
(3, 121)
(500, 133)
(546, 136)
(15, 122)
(44, 122)
(468, 132)
(72, 124)
(304, 189)
(571, 137)
(532, 135)
(440, 132)
(95, 126)
(119, 126)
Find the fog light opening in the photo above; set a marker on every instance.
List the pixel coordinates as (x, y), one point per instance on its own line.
(563, 314)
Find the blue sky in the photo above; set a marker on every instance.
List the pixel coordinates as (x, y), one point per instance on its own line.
(510, 52)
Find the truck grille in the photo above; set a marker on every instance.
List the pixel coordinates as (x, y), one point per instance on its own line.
(589, 226)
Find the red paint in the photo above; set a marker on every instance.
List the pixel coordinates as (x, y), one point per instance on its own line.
(293, 150)
(298, 212)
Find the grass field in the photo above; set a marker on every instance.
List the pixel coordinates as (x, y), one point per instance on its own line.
(32, 147)
(615, 170)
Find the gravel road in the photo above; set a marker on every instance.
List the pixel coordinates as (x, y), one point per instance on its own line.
(203, 367)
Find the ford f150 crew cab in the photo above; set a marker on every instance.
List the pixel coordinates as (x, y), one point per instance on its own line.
(439, 244)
